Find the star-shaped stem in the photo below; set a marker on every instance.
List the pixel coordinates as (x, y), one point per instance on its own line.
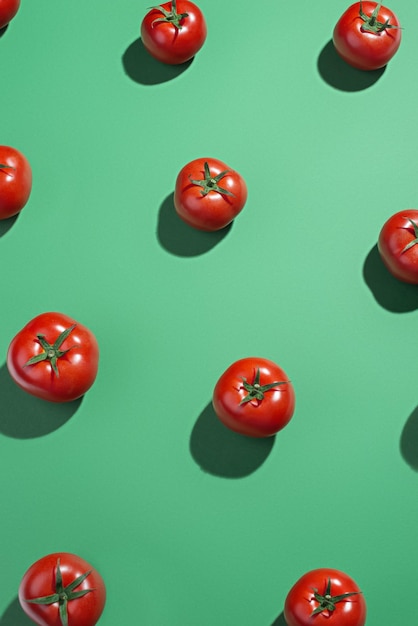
(62, 594)
(210, 183)
(414, 241)
(51, 352)
(255, 390)
(170, 16)
(371, 23)
(327, 601)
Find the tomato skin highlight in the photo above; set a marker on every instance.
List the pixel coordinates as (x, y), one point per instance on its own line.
(256, 418)
(395, 235)
(214, 210)
(169, 44)
(39, 581)
(8, 9)
(300, 601)
(366, 50)
(77, 368)
(15, 181)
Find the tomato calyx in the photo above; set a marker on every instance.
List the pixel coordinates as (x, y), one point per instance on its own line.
(327, 602)
(6, 167)
(170, 16)
(210, 183)
(371, 23)
(255, 390)
(62, 594)
(51, 352)
(414, 241)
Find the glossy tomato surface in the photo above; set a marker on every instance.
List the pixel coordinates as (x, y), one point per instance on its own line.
(254, 397)
(398, 245)
(171, 43)
(205, 207)
(76, 368)
(363, 48)
(15, 181)
(300, 603)
(42, 579)
(8, 9)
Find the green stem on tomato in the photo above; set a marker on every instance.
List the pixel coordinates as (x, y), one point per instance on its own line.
(255, 390)
(414, 241)
(327, 601)
(51, 352)
(210, 183)
(371, 23)
(63, 594)
(172, 17)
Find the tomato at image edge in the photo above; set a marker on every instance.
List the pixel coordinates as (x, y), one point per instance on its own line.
(209, 194)
(15, 181)
(49, 365)
(361, 48)
(8, 10)
(254, 397)
(42, 579)
(177, 39)
(398, 245)
(309, 594)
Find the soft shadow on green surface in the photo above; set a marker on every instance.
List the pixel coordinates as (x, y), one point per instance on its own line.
(220, 451)
(23, 416)
(389, 292)
(3, 30)
(178, 238)
(142, 68)
(6, 225)
(15, 615)
(409, 440)
(277, 622)
(340, 75)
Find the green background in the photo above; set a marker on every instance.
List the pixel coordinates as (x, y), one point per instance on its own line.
(188, 523)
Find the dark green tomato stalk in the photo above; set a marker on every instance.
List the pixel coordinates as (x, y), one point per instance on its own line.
(371, 23)
(210, 183)
(63, 594)
(6, 167)
(172, 17)
(414, 241)
(52, 352)
(255, 390)
(327, 602)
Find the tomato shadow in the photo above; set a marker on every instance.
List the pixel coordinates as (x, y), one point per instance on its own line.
(15, 615)
(279, 621)
(6, 225)
(222, 452)
(181, 239)
(409, 440)
(3, 30)
(142, 68)
(23, 416)
(391, 293)
(338, 74)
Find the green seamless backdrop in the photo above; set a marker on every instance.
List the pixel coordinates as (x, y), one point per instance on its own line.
(188, 523)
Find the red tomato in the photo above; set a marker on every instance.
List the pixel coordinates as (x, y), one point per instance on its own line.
(174, 31)
(8, 9)
(254, 397)
(209, 194)
(61, 589)
(367, 35)
(325, 596)
(15, 180)
(54, 357)
(398, 247)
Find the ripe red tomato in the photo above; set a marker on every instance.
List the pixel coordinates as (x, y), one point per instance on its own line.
(8, 9)
(398, 247)
(325, 596)
(209, 194)
(61, 589)
(54, 357)
(174, 31)
(254, 397)
(367, 35)
(15, 179)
